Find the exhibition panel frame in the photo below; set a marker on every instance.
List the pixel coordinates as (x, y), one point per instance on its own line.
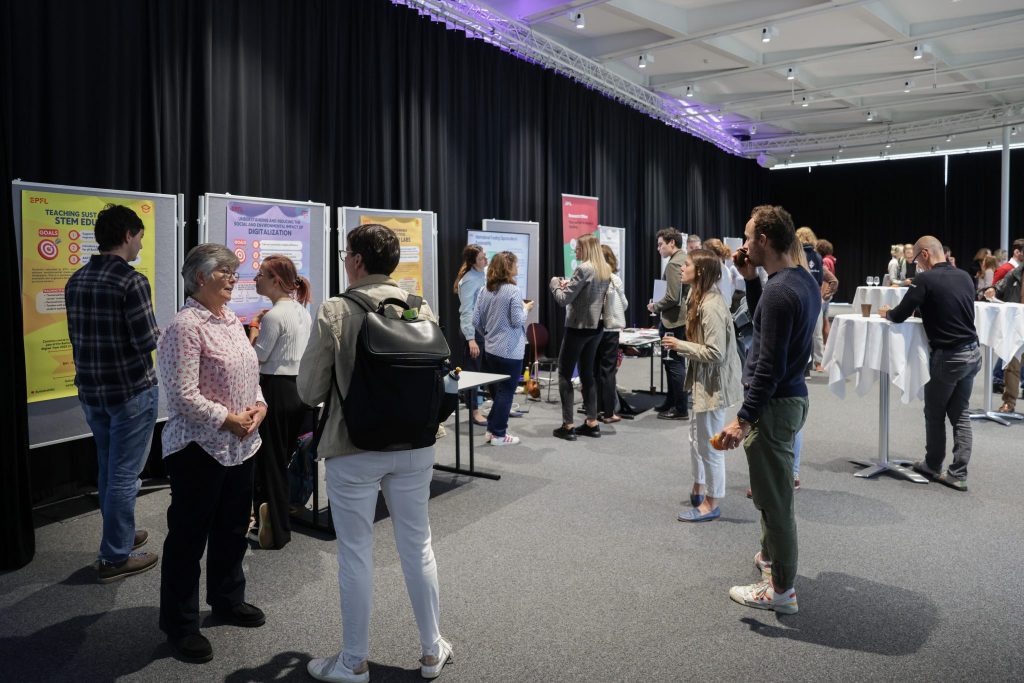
(532, 230)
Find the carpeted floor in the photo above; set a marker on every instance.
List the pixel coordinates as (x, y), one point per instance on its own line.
(573, 567)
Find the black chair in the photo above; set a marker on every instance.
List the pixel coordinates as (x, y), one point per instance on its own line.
(537, 336)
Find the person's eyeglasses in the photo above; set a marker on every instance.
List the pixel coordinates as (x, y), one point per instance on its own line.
(229, 274)
(917, 256)
(343, 254)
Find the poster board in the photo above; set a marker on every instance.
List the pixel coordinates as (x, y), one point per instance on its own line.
(53, 225)
(579, 218)
(417, 232)
(254, 227)
(509, 236)
(615, 238)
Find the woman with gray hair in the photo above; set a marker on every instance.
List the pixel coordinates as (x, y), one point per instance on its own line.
(211, 380)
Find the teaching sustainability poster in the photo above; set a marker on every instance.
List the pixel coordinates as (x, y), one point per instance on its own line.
(409, 273)
(579, 218)
(255, 231)
(56, 240)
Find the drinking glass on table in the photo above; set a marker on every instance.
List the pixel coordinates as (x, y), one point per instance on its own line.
(869, 280)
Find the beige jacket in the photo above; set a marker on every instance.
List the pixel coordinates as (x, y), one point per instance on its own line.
(332, 347)
(713, 375)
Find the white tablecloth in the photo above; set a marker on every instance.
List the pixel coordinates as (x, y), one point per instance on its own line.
(878, 296)
(860, 348)
(1001, 327)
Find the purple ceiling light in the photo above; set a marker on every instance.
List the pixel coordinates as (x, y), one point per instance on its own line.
(518, 39)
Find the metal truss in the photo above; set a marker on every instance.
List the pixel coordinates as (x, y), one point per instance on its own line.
(521, 41)
(987, 119)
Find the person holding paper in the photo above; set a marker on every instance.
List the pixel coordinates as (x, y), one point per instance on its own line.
(673, 320)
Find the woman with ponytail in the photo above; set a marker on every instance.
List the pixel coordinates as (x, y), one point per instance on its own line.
(279, 335)
(468, 283)
(712, 377)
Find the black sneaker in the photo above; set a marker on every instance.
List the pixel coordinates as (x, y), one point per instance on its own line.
(567, 433)
(673, 414)
(193, 647)
(921, 467)
(952, 481)
(586, 430)
(242, 614)
(663, 407)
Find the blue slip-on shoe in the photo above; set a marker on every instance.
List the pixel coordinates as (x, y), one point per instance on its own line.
(696, 499)
(693, 515)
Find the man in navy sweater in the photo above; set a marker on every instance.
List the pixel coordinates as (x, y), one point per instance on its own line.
(775, 398)
(945, 297)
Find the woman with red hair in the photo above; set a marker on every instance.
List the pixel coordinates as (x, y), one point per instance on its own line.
(279, 335)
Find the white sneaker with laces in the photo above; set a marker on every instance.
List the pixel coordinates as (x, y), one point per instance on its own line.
(507, 440)
(431, 665)
(761, 595)
(333, 670)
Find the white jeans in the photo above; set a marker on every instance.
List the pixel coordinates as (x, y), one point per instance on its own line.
(352, 482)
(706, 460)
(818, 350)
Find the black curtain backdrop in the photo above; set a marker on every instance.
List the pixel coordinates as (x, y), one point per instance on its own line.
(864, 208)
(348, 103)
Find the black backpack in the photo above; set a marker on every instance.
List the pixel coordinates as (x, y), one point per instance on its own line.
(396, 398)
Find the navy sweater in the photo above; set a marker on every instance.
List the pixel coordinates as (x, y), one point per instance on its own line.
(784, 316)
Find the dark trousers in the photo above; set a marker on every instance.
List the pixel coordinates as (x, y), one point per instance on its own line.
(578, 347)
(475, 365)
(606, 372)
(209, 511)
(947, 396)
(286, 414)
(502, 392)
(675, 373)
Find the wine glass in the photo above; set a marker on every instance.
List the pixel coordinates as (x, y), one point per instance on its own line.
(876, 281)
(869, 280)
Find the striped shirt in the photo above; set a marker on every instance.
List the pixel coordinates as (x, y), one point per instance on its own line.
(499, 316)
(113, 330)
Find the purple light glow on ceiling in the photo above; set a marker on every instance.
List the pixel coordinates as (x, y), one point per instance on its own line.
(484, 24)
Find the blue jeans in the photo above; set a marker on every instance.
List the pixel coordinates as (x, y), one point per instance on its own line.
(502, 392)
(675, 371)
(123, 434)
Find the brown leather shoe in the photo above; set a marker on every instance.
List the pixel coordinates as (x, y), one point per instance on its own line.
(135, 564)
(141, 536)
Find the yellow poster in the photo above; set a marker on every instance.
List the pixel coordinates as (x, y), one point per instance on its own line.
(56, 240)
(409, 273)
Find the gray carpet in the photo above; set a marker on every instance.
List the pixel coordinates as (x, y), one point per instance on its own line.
(574, 568)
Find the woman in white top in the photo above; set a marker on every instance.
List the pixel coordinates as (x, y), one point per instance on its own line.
(279, 335)
(606, 370)
(731, 281)
(897, 265)
(712, 376)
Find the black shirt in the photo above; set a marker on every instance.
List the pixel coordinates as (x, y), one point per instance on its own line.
(945, 296)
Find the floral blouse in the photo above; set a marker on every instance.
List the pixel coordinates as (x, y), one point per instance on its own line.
(208, 369)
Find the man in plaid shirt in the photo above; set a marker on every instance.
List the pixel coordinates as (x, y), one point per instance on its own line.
(113, 335)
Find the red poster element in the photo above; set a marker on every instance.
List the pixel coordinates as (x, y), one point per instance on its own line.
(579, 217)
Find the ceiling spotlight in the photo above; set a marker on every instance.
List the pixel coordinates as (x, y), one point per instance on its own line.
(805, 101)
(907, 85)
(918, 52)
(888, 145)
(767, 33)
(578, 19)
(934, 149)
(949, 138)
(1013, 131)
(989, 145)
(871, 116)
(689, 92)
(791, 73)
(792, 155)
(881, 154)
(643, 60)
(833, 158)
(840, 149)
(753, 130)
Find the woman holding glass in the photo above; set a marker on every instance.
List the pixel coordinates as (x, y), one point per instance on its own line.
(712, 377)
(211, 379)
(468, 283)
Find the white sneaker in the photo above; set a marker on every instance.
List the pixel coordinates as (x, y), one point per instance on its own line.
(333, 670)
(431, 665)
(507, 440)
(762, 595)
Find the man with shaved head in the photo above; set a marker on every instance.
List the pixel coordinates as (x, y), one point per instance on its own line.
(945, 297)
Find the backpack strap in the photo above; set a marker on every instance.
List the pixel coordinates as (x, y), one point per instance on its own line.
(366, 303)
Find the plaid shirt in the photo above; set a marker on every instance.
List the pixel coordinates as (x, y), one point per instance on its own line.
(113, 330)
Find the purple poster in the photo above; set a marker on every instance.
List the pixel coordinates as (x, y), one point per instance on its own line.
(255, 231)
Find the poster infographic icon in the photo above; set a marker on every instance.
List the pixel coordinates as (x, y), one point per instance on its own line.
(579, 218)
(57, 239)
(409, 273)
(255, 231)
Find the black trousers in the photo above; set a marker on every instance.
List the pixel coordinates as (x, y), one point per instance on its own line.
(286, 414)
(578, 346)
(606, 372)
(476, 365)
(209, 511)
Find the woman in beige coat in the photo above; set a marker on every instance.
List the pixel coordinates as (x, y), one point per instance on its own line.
(712, 377)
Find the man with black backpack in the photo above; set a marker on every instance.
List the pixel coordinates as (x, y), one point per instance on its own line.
(377, 359)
